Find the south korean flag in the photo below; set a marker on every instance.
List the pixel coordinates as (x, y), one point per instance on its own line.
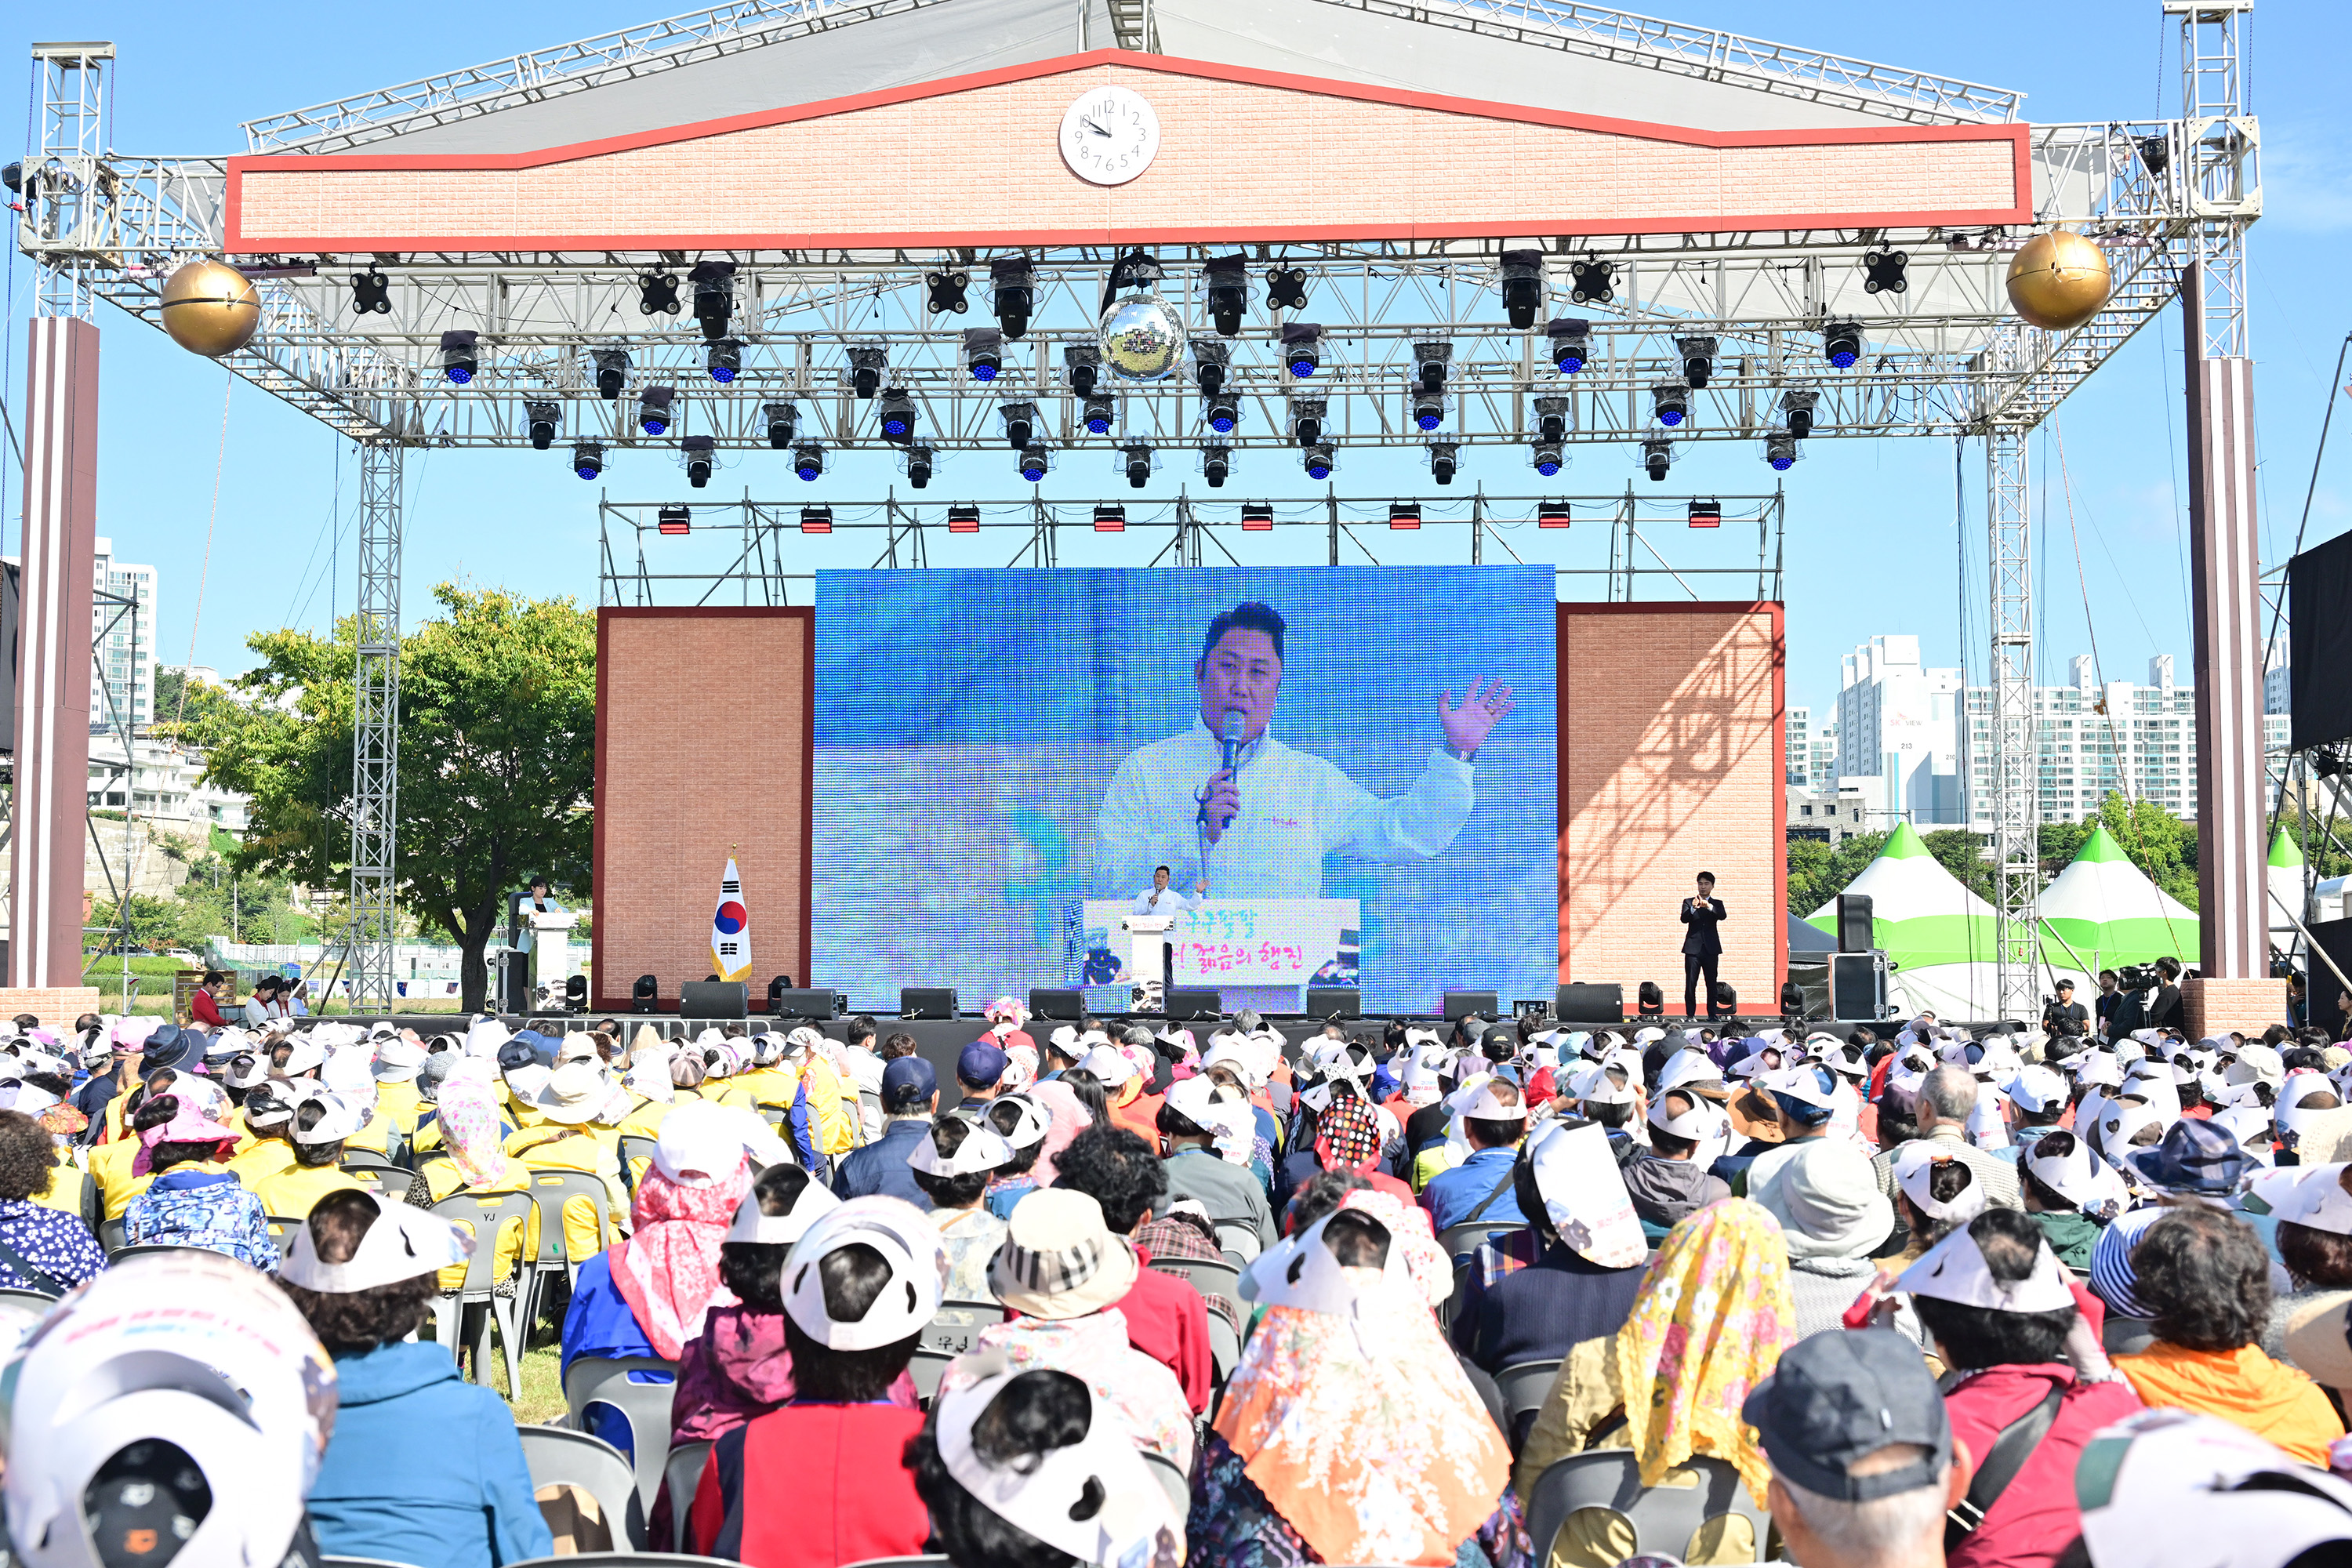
(730, 929)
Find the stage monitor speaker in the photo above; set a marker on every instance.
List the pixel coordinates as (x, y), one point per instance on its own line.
(1052, 1003)
(927, 1001)
(716, 999)
(1857, 985)
(1591, 1005)
(1334, 1002)
(1856, 930)
(2319, 646)
(2329, 1007)
(1192, 1005)
(814, 1002)
(1461, 1003)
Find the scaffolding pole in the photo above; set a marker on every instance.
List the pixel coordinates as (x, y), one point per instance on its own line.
(2016, 814)
(375, 752)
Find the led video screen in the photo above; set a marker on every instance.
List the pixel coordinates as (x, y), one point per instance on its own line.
(1004, 759)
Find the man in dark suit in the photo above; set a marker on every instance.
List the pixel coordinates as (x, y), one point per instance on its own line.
(2165, 1011)
(1702, 948)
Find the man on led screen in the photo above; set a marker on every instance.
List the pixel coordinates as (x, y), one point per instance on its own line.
(1260, 826)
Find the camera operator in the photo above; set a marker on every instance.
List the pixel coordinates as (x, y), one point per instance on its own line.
(2136, 984)
(2165, 1011)
(2063, 1018)
(2105, 1004)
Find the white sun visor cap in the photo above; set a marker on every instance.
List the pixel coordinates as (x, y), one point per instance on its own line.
(189, 1347)
(1106, 1067)
(401, 1242)
(1031, 1128)
(342, 1119)
(1486, 1105)
(981, 1149)
(2310, 1196)
(1915, 1168)
(1093, 1499)
(907, 1242)
(754, 1224)
(1702, 1121)
(1954, 1269)
(1594, 1086)
(2101, 1069)
(2166, 1488)
(1691, 1065)
(2079, 1176)
(2037, 1089)
(1803, 1085)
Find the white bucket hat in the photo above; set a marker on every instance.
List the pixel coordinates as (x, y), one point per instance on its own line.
(981, 1149)
(401, 1242)
(1093, 1499)
(754, 1224)
(907, 1242)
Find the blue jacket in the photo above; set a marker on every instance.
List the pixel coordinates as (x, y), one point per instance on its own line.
(424, 1468)
(881, 1166)
(1450, 1198)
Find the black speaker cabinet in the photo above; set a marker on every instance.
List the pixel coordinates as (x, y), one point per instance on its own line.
(1857, 985)
(1855, 931)
(1461, 1003)
(1190, 1004)
(812, 1003)
(714, 999)
(927, 1001)
(1328, 1002)
(1591, 1005)
(1048, 1003)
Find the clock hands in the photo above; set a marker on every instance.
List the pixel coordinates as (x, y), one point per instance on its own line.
(1090, 125)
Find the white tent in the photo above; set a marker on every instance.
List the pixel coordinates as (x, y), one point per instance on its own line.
(2285, 888)
(2103, 910)
(1938, 934)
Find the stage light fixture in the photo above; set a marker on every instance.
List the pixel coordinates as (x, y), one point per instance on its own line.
(1657, 457)
(1592, 281)
(1884, 270)
(1523, 286)
(1109, 517)
(541, 420)
(458, 362)
(1035, 462)
(1698, 360)
(1019, 422)
(1217, 466)
(1210, 361)
(657, 293)
(1307, 419)
(919, 461)
(1286, 289)
(946, 292)
(1797, 409)
(808, 461)
(1012, 293)
(700, 457)
(1320, 461)
(1707, 514)
(1082, 363)
(654, 409)
(643, 994)
(1670, 404)
(1404, 515)
(1548, 458)
(371, 293)
(897, 417)
(1444, 460)
(673, 520)
(1571, 345)
(1431, 361)
(1223, 412)
(963, 518)
(1227, 290)
(723, 358)
(1780, 451)
(816, 519)
(1842, 343)
(1257, 517)
(1551, 419)
(1137, 462)
(612, 373)
(1428, 410)
(984, 355)
(1302, 348)
(714, 295)
(1099, 415)
(1553, 514)
(781, 420)
(587, 459)
(867, 364)
(2155, 152)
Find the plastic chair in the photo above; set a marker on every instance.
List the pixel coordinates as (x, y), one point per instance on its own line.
(632, 1149)
(488, 1213)
(1224, 1349)
(1209, 1278)
(927, 1367)
(682, 1474)
(606, 1380)
(1664, 1518)
(558, 1458)
(955, 1327)
(1526, 1386)
(1461, 1240)
(284, 1229)
(1178, 1484)
(12, 1299)
(388, 1183)
(1484, 1386)
(143, 1249)
(550, 1190)
(1237, 1238)
(112, 1233)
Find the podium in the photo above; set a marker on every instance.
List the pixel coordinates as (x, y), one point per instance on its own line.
(1147, 935)
(551, 951)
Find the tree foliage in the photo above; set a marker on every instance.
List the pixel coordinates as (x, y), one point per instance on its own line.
(1818, 872)
(496, 735)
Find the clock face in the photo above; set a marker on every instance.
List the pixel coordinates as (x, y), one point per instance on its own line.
(1109, 136)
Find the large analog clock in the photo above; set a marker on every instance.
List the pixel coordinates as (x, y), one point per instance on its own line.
(1110, 135)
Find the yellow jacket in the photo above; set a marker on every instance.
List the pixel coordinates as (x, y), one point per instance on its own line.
(109, 1167)
(442, 1178)
(263, 1158)
(68, 1191)
(295, 1190)
(592, 1150)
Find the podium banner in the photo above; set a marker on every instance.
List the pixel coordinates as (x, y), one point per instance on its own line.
(1237, 942)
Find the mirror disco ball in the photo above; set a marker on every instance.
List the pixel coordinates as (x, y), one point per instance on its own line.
(1142, 339)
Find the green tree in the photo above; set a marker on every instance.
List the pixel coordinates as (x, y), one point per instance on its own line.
(1960, 851)
(498, 747)
(177, 711)
(1818, 872)
(2164, 846)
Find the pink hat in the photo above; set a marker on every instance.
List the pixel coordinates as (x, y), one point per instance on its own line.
(189, 1125)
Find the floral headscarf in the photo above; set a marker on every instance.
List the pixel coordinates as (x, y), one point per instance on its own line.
(668, 1271)
(1709, 1324)
(1069, 1118)
(469, 1123)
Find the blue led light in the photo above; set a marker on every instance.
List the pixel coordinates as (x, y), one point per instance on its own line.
(1670, 418)
(586, 471)
(722, 374)
(1302, 367)
(894, 425)
(653, 425)
(460, 374)
(1318, 470)
(1844, 359)
(1548, 467)
(1429, 421)
(984, 373)
(1571, 364)
(808, 470)
(1098, 426)
(1221, 423)
(1782, 465)
(1033, 472)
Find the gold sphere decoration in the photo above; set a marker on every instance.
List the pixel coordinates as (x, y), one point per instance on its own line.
(2058, 280)
(210, 307)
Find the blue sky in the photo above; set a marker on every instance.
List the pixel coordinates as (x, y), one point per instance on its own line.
(1871, 546)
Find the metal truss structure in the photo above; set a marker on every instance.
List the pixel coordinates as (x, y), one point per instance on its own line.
(1189, 530)
(1942, 356)
(375, 739)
